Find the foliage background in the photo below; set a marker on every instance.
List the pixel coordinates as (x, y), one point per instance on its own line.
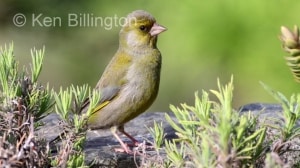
(205, 40)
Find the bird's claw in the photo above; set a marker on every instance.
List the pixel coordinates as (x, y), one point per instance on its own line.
(124, 149)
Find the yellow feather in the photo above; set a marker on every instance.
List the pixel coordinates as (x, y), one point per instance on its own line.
(100, 106)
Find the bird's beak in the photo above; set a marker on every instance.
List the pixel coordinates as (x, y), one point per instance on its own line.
(157, 29)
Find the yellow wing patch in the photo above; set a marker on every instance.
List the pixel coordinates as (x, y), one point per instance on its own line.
(100, 106)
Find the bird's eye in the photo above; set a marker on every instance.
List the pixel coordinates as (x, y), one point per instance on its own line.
(143, 28)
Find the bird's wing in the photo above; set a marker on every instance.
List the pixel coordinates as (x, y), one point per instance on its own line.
(112, 82)
(107, 94)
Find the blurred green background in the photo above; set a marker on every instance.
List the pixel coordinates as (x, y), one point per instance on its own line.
(206, 40)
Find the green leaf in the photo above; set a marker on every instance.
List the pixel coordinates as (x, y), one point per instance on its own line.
(37, 62)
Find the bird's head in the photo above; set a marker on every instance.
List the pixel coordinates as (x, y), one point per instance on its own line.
(140, 30)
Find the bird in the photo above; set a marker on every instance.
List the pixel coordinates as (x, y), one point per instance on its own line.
(130, 82)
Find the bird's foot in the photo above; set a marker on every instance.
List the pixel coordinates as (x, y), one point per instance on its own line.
(140, 145)
(122, 150)
(136, 148)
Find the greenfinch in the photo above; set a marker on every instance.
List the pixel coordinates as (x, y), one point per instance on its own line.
(130, 82)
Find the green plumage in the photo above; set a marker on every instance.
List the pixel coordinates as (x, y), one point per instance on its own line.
(130, 82)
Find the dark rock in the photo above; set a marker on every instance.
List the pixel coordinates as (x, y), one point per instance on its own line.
(100, 144)
(265, 111)
(261, 106)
